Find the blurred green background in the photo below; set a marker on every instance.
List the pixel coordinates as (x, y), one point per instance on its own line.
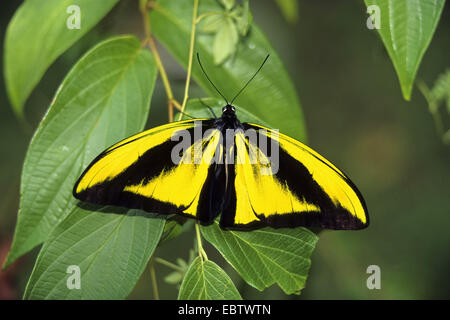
(355, 116)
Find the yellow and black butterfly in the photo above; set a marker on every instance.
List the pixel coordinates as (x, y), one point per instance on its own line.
(303, 189)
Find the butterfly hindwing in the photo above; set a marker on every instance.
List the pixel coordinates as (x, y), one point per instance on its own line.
(139, 172)
(302, 189)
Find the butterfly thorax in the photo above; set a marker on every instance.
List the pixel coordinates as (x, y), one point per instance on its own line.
(228, 120)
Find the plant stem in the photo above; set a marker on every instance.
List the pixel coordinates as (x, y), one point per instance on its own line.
(151, 43)
(172, 102)
(200, 17)
(169, 264)
(433, 108)
(191, 55)
(201, 251)
(177, 104)
(154, 283)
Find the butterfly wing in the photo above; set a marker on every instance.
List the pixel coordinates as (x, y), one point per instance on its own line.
(301, 189)
(140, 171)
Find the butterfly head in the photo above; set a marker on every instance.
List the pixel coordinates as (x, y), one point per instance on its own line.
(228, 111)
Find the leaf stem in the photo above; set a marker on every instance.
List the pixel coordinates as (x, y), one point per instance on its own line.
(153, 279)
(169, 264)
(207, 14)
(191, 56)
(433, 108)
(201, 251)
(151, 43)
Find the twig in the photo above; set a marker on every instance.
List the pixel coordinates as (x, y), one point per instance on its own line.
(433, 107)
(169, 264)
(201, 251)
(154, 283)
(191, 56)
(151, 43)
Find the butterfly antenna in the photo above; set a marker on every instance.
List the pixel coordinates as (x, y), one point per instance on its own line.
(245, 86)
(210, 109)
(204, 72)
(187, 114)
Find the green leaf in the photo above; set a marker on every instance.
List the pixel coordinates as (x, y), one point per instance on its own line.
(266, 256)
(175, 226)
(173, 277)
(172, 229)
(406, 29)
(271, 95)
(111, 251)
(289, 9)
(205, 280)
(213, 23)
(37, 34)
(225, 41)
(228, 4)
(244, 17)
(104, 98)
(441, 89)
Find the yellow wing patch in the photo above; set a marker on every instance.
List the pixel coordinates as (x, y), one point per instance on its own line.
(331, 179)
(171, 186)
(261, 193)
(140, 171)
(309, 191)
(123, 154)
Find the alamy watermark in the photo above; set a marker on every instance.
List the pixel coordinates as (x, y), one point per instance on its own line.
(374, 280)
(74, 20)
(74, 280)
(374, 20)
(236, 146)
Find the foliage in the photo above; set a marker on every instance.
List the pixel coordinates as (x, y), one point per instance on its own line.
(407, 28)
(205, 280)
(32, 44)
(110, 249)
(437, 98)
(106, 97)
(271, 95)
(266, 256)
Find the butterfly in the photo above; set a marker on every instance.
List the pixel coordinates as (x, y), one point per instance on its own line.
(250, 175)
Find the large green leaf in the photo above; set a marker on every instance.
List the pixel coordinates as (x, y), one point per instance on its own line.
(406, 29)
(111, 251)
(104, 98)
(205, 280)
(266, 256)
(37, 35)
(271, 96)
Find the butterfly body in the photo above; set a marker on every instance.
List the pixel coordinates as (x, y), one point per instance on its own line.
(286, 185)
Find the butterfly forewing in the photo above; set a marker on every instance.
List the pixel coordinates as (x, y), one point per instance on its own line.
(140, 172)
